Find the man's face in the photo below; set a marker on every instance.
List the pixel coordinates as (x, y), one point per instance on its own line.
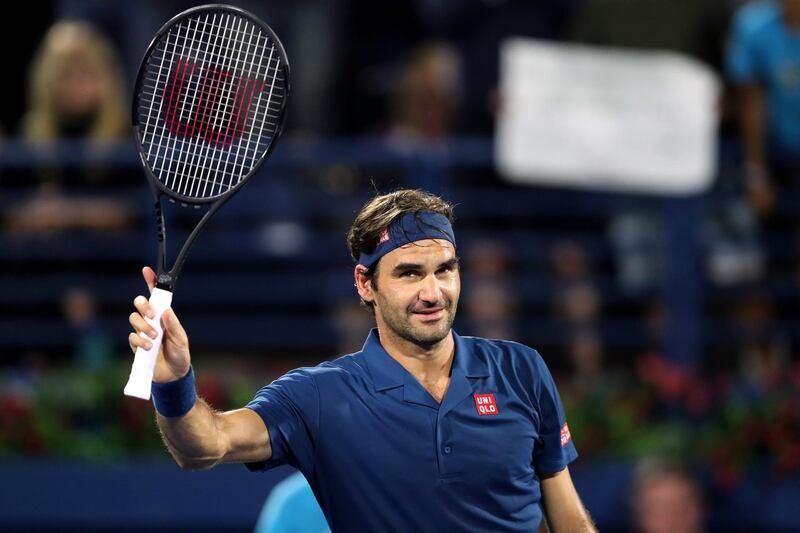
(418, 286)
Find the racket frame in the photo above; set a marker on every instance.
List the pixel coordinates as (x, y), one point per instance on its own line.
(166, 278)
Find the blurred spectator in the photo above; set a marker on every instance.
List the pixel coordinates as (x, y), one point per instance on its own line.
(569, 261)
(666, 498)
(489, 303)
(423, 100)
(351, 323)
(426, 98)
(763, 352)
(93, 347)
(48, 210)
(585, 352)
(575, 301)
(75, 93)
(764, 62)
(577, 304)
(76, 87)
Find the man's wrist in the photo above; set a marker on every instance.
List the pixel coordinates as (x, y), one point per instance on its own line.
(175, 398)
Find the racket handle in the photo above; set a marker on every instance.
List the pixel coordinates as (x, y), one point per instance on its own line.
(144, 363)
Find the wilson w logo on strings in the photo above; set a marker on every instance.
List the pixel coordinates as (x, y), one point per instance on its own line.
(213, 102)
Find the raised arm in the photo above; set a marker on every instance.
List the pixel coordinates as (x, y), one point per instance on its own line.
(201, 437)
(204, 437)
(562, 506)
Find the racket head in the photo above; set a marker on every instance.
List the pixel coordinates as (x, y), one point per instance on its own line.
(209, 102)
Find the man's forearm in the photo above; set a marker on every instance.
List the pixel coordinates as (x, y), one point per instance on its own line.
(577, 522)
(562, 507)
(194, 440)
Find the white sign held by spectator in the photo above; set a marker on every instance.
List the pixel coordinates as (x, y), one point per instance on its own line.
(606, 119)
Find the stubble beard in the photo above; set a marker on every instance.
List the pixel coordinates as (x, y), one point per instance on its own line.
(423, 336)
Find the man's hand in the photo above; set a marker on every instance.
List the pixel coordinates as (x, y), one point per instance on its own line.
(173, 359)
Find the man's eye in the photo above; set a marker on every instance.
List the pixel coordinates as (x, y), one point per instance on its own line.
(408, 274)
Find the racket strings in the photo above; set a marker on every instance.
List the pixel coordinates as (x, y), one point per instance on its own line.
(223, 56)
(228, 52)
(211, 97)
(209, 122)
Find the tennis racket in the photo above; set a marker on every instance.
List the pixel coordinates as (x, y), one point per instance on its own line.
(208, 107)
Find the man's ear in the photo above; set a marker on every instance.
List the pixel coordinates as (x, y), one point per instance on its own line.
(363, 283)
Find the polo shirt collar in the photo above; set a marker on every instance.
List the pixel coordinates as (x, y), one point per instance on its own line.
(388, 374)
(468, 361)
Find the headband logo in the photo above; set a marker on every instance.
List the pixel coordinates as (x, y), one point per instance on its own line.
(384, 236)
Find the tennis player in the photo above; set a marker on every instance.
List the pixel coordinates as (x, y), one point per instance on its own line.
(422, 430)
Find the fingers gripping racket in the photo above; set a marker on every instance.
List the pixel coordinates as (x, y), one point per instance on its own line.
(208, 106)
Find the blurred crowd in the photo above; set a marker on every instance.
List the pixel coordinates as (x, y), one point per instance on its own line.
(416, 75)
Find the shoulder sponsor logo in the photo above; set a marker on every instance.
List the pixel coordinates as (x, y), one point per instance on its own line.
(566, 436)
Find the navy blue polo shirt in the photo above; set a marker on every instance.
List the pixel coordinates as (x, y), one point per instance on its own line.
(382, 455)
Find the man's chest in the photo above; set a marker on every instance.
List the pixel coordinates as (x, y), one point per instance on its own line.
(485, 434)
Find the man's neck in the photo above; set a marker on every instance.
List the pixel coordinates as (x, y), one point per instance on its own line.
(426, 363)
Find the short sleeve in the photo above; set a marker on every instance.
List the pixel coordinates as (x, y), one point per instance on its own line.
(289, 407)
(554, 448)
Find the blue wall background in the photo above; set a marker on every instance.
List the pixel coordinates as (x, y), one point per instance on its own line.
(157, 495)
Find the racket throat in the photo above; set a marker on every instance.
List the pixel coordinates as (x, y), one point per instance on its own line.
(165, 281)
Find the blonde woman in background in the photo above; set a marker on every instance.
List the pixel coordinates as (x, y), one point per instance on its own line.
(75, 93)
(76, 87)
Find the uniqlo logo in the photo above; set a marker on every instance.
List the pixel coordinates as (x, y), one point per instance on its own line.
(566, 436)
(485, 404)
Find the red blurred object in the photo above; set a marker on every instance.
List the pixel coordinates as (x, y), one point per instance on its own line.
(210, 388)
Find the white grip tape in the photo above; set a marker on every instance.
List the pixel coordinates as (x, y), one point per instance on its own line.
(144, 363)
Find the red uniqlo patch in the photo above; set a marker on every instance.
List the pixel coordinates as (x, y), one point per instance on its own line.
(566, 436)
(485, 404)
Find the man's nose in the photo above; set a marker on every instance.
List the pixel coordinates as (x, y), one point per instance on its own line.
(431, 290)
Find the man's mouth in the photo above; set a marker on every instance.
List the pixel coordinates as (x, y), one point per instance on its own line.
(431, 313)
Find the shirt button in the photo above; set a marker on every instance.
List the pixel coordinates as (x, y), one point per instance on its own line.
(447, 449)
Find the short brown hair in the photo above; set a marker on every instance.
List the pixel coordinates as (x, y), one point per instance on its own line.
(378, 213)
